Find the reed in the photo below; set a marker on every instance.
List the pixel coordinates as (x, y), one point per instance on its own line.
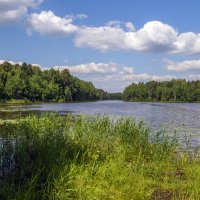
(79, 157)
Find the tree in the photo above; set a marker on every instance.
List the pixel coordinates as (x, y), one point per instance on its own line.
(51, 92)
(174, 90)
(16, 87)
(31, 82)
(67, 94)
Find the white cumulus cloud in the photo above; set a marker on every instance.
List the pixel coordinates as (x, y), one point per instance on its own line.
(103, 38)
(183, 66)
(11, 62)
(17, 63)
(91, 68)
(194, 76)
(47, 23)
(153, 36)
(112, 72)
(129, 70)
(130, 26)
(188, 43)
(14, 10)
(134, 77)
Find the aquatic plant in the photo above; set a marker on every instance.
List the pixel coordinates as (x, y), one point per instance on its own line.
(93, 157)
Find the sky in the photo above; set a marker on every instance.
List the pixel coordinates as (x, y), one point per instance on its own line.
(111, 43)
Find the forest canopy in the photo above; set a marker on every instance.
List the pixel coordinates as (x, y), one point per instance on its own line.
(178, 90)
(32, 83)
(29, 82)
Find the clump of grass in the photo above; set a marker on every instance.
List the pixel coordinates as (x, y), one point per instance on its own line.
(18, 101)
(79, 157)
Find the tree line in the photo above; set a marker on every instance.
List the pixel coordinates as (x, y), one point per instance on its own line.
(178, 90)
(32, 83)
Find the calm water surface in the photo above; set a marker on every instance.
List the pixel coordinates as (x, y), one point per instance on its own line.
(182, 117)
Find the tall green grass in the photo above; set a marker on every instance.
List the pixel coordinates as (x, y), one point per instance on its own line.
(52, 157)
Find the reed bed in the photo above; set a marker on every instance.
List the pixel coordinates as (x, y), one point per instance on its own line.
(93, 157)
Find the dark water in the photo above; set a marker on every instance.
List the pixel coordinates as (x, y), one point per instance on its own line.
(182, 117)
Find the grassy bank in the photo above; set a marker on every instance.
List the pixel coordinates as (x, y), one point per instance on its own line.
(15, 101)
(52, 157)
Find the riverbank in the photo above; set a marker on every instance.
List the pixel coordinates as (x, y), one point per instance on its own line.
(152, 101)
(15, 101)
(52, 157)
(21, 101)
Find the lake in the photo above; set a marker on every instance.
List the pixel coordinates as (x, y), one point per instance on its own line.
(182, 117)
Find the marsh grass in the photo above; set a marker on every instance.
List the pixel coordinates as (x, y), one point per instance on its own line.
(77, 157)
(16, 101)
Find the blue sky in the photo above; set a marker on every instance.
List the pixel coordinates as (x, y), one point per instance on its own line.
(111, 43)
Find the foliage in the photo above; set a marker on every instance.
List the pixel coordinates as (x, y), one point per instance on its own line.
(174, 91)
(79, 157)
(31, 83)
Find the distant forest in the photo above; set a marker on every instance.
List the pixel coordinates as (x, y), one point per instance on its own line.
(174, 91)
(28, 82)
(31, 83)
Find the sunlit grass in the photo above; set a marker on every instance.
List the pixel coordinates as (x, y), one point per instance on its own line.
(53, 157)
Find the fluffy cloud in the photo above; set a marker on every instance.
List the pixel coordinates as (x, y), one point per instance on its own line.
(11, 62)
(102, 38)
(114, 23)
(194, 76)
(188, 43)
(17, 63)
(183, 66)
(138, 77)
(129, 70)
(14, 10)
(47, 23)
(118, 24)
(95, 68)
(105, 72)
(154, 36)
(118, 81)
(130, 26)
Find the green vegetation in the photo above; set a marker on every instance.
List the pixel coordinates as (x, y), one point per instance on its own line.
(29, 83)
(77, 157)
(114, 96)
(173, 91)
(16, 101)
